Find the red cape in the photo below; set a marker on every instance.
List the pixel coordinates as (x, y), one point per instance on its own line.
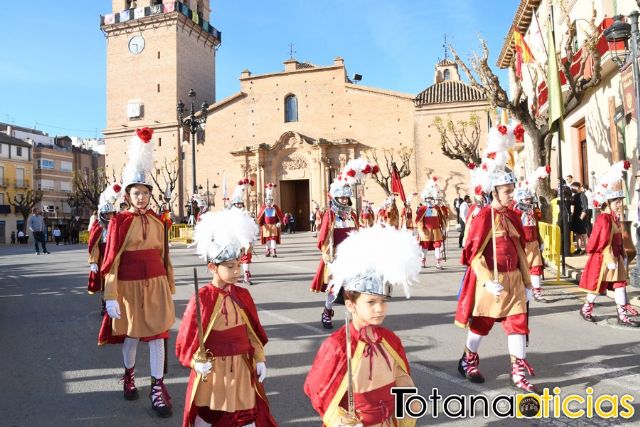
(260, 221)
(95, 279)
(478, 233)
(599, 239)
(328, 218)
(187, 342)
(330, 365)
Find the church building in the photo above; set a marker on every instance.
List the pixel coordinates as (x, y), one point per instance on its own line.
(296, 127)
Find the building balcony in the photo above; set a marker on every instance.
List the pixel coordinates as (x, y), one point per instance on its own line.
(159, 9)
(5, 209)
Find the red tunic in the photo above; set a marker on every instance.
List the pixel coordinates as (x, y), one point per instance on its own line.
(478, 238)
(599, 242)
(187, 344)
(262, 220)
(319, 283)
(96, 283)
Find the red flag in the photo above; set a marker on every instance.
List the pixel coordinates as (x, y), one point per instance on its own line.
(396, 183)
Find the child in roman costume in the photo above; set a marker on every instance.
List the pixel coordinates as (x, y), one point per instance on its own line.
(407, 214)
(368, 271)
(138, 277)
(388, 213)
(429, 224)
(237, 202)
(233, 363)
(607, 266)
(270, 220)
(337, 222)
(524, 196)
(367, 217)
(497, 285)
(98, 238)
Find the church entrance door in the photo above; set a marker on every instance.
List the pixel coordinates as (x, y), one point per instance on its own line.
(294, 198)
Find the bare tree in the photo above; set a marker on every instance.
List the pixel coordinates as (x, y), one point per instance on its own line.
(459, 140)
(24, 203)
(168, 171)
(523, 109)
(87, 187)
(389, 156)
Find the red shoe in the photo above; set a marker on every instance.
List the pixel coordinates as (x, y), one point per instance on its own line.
(587, 312)
(326, 318)
(518, 380)
(160, 399)
(468, 367)
(129, 384)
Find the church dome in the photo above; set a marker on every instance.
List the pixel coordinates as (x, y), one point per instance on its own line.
(447, 92)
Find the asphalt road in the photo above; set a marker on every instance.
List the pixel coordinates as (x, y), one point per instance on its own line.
(52, 372)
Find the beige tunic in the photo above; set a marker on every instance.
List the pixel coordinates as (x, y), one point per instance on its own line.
(512, 299)
(146, 305)
(228, 387)
(620, 273)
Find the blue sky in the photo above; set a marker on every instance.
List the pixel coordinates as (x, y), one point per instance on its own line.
(52, 71)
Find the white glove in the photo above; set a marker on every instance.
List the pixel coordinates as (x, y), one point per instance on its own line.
(261, 371)
(113, 308)
(529, 293)
(203, 368)
(612, 265)
(493, 287)
(93, 267)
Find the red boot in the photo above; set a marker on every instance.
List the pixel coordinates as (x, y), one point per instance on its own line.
(128, 381)
(587, 312)
(468, 367)
(518, 380)
(160, 399)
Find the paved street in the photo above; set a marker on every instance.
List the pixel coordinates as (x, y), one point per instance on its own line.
(54, 374)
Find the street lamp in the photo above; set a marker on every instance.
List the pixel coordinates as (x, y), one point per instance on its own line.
(194, 125)
(621, 32)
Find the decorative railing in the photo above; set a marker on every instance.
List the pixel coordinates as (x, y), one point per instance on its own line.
(158, 9)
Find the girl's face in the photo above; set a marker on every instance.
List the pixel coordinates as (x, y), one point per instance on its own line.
(139, 196)
(616, 205)
(227, 272)
(367, 310)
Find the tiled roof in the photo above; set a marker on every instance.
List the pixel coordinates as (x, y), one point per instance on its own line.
(448, 92)
(304, 65)
(6, 139)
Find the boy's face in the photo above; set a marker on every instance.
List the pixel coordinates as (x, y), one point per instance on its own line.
(616, 204)
(368, 309)
(228, 271)
(504, 194)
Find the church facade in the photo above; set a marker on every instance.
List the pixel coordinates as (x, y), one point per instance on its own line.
(298, 127)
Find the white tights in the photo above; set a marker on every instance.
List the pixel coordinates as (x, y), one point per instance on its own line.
(517, 345)
(156, 355)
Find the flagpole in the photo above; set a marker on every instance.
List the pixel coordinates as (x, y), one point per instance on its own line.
(559, 124)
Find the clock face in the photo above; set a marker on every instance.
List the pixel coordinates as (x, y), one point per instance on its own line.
(136, 44)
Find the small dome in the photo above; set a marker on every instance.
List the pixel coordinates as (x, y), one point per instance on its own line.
(447, 92)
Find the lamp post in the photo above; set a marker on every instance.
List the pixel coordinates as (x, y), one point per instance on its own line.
(194, 125)
(618, 32)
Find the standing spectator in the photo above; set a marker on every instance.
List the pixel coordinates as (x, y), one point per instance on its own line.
(292, 223)
(56, 235)
(38, 227)
(285, 222)
(456, 205)
(462, 217)
(21, 236)
(312, 219)
(13, 237)
(568, 180)
(65, 236)
(589, 195)
(579, 215)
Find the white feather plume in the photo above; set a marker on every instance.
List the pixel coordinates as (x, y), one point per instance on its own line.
(140, 159)
(393, 255)
(229, 228)
(615, 173)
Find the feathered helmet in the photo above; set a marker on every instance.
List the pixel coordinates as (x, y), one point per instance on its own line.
(355, 171)
(238, 193)
(430, 190)
(611, 184)
(109, 198)
(501, 139)
(224, 236)
(480, 181)
(268, 192)
(365, 264)
(527, 189)
(140, 163)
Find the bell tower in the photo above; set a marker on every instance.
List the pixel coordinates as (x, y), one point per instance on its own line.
(156, 52)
